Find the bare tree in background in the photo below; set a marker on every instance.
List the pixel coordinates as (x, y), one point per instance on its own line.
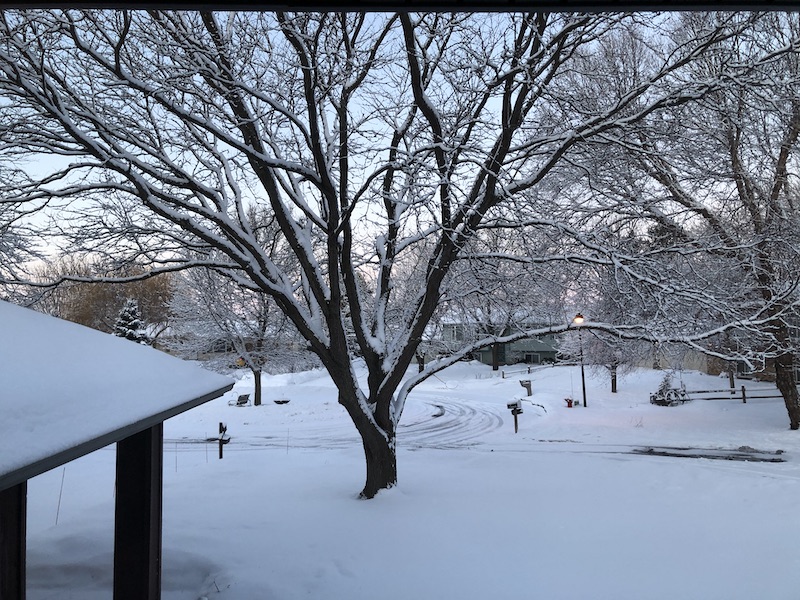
(365, 135)
(227, 326)
(490, 295)
(19, 250)
(84, 296)
(717, 198)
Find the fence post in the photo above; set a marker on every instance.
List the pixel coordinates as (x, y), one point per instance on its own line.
(744, 396)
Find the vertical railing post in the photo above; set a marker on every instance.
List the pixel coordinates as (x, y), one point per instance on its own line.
(13, 510)
(137, 521)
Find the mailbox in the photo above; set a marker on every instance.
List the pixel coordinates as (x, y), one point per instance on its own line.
(526, 383)
(516, 409)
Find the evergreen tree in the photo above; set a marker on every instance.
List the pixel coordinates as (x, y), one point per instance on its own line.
(129, 324)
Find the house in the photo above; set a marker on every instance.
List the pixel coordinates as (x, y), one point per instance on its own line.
(536, 350)
(532, 351)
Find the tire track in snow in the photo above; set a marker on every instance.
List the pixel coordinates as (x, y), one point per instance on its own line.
(438, 423)
(450, 424)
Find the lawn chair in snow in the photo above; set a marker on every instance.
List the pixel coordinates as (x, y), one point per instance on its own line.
(242, 400)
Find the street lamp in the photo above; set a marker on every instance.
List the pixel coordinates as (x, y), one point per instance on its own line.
(578, 320)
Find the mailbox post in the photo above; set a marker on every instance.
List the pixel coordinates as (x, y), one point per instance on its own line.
(223, 438)
(516, 410)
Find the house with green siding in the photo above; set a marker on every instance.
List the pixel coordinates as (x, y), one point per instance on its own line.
(534, 350)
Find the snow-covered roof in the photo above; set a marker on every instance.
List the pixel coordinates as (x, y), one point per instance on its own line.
(67, 390)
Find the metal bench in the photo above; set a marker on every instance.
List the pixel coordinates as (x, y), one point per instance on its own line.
(242, 400)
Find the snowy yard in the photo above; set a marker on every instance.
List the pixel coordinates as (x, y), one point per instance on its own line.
(564, 509)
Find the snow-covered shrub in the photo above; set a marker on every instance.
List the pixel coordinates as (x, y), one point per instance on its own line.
(129, 324)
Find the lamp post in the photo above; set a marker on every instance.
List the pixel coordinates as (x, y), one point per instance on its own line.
(578, 320)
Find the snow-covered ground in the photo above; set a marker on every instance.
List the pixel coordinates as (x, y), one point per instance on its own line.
(564, 509)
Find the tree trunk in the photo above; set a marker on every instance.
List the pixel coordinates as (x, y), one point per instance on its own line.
(785, 380)
(378, 440)
(257, 393)
(420, 361)
(495, 356)
(381, 458)
(614, 379)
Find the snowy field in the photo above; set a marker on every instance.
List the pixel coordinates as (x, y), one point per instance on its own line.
(564, 509)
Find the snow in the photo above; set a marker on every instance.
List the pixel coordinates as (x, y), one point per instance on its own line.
(564, 509)
(64, 385)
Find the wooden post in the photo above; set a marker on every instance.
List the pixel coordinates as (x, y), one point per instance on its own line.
(13, 510)
(516, 422)
(137, 522)
(744, 396)
(257, 391)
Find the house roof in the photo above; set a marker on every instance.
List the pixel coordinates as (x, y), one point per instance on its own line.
(67, 390)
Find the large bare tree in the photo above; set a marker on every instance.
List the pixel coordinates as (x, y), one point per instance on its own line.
(366, 136)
